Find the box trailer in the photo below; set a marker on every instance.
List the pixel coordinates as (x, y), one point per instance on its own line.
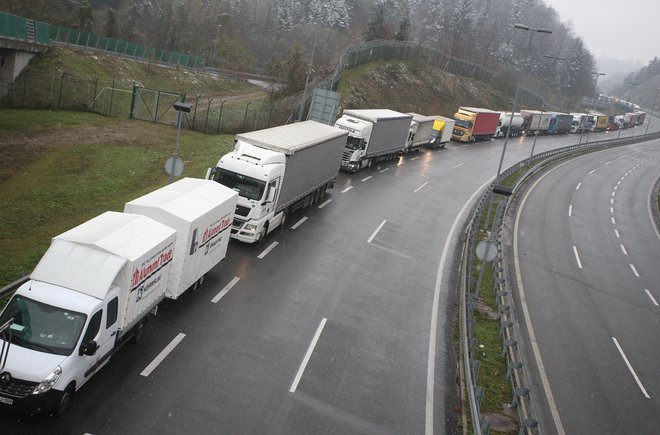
(475, 124)
(442, 130)
(421, 132)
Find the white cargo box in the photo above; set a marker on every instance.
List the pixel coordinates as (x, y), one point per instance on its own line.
(201, 212)
(131, 252)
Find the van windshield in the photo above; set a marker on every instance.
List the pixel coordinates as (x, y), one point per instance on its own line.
(43, 327)
(247, 187)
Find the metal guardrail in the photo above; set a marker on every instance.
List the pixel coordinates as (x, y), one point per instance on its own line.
(9, 289)
(517, 375)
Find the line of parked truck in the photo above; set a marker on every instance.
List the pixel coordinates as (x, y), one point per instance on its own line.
(95, 286)
(478, 124)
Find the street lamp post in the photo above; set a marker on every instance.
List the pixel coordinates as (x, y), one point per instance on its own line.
(554, 70)
(597, 74)
(215, 44)
(657, 90)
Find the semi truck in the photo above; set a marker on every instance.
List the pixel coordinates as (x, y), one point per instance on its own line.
(475, 124)
(93, 289)
(560, 123)
(420, 133)
(536, 122)
(580, 123)
(373, 135)
(442, 130)
(277, 171)
(506, 123)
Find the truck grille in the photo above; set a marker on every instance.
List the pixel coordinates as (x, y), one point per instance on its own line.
(346, 156)
(17, 387)
(237, 223)
(457, 132)
(242, 210)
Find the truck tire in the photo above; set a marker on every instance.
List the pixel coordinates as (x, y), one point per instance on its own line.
(263, 233)
(139, 331)
(64, 401)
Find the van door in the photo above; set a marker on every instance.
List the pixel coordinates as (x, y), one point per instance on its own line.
(102, 329)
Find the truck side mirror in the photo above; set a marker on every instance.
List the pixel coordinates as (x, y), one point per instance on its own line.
(89, 348)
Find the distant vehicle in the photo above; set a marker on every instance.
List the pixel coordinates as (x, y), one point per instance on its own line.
(442, 130)
(598, 122)
(506, 123)
(420, 133)
(475, 124)
(641, 116)
(580, 123)
(536, 122)
(373, 135)
(560, 123)
(277, 171)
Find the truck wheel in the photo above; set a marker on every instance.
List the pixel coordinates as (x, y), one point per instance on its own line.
(139, 332)
(262, 234)
(64, 401)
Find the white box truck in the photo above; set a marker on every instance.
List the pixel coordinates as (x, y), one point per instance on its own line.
(90, 292)
(442, 130)
(420, 132)
(277, 171)
(201, 212)
(373, 135)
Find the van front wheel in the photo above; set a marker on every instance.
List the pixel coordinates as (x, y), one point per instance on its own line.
(65, 400)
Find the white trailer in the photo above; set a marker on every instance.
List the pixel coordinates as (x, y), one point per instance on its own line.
(442, 130)
(420, 133)
(507, 122)
(201, 212)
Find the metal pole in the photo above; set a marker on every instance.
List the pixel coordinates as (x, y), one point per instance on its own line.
(651, 114)
(536, 135)
(309, 71)
(176, 145)
(632, 85)
(217, 129)
(508, 130)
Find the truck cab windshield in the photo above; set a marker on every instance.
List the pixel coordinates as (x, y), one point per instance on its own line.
(43, 327)
(247, 187)
(463, 124)
(354, 143)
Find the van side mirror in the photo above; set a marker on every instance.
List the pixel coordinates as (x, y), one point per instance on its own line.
(89, 348)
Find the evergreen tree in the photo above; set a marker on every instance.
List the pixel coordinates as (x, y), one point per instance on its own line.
(376, 27)
(110, 26)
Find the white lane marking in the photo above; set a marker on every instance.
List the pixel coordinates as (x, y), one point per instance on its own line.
(577, 257)
(570, 209)
(376, 232)
(367, 178)
(632, 371)
(632, 266)
(417, 190)
(578, 186)
(347, 189)
(650, 209)
(613, 220)
(608, 163)
(308, 355)
(618, 183)
(611, 209)
(299, 223)
(161, 356)
(613, 193)
(457, 166)
(430, 366)
(612, 201)
(490, 154)
(268, 249)
(617, 233)
(325, 203)
(384, 170)
(414, 158)
(523, 300)
(623, 248)
(651, 297)
(225, 290)
(592, 171)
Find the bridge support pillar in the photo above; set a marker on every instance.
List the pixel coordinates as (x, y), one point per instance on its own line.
(12, 63)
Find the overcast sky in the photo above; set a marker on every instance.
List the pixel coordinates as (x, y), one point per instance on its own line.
(619, 29)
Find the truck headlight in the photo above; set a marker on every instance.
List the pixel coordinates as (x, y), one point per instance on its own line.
(250, 227)
(49, 381)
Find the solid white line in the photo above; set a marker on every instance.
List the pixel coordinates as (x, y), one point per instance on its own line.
(384, 170)
(578, 186)
(623, 248)
(225, 290)
(592, 171)
(365, 179)
(577, 257)
(650, 208)
(161, 356)
(652, 298)
(347, 189)
(613, 220)
(268, 249)
(632, 266)
(299, 223)
(376, 232)
(308, 355)
(617, 233)
(523, 299)
(417, 190)
(570, 209)
(325, 203)
(457, 166)
(430, 366)
(632, 371)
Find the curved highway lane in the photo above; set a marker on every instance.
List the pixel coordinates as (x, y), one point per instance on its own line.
(587, 253)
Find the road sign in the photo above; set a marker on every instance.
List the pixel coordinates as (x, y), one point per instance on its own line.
(174, 166)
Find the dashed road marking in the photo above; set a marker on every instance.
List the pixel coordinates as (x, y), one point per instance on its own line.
(577, 257)
(347, 189)
(299, 223)
(225, 290)
(632, 371)
(162, 355)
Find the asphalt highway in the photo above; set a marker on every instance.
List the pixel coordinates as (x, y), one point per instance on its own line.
(587, 251)
(340, 322)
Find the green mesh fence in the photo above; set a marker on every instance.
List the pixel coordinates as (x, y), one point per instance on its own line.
(12, 26)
